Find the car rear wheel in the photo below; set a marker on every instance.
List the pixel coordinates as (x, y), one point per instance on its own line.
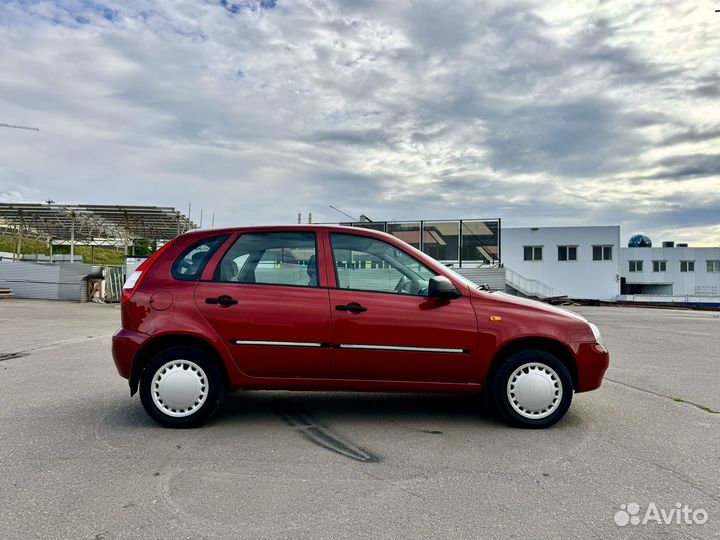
(532, 389)
(181, 387)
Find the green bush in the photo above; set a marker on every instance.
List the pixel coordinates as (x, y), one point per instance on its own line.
(101, 255)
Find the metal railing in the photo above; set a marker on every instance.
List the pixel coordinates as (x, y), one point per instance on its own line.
(531, 287)
(448, 241)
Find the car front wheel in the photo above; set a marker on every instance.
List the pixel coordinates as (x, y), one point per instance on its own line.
(532, 389)
(181, 387)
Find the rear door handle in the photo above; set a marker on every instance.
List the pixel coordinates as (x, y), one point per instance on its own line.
(222, 301)
(352, 308)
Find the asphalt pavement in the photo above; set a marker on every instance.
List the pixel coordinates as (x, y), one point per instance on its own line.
(79, 458)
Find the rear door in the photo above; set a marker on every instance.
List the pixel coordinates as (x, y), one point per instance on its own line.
(267, 301)
(384, 325)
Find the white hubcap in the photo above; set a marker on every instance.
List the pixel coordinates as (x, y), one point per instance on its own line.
(179, 388)
(534, 390)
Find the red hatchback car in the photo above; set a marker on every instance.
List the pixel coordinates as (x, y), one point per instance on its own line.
(337, 308)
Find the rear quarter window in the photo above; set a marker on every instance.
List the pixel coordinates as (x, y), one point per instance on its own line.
(190, 264)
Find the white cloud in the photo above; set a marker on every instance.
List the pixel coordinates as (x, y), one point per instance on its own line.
(540, 113)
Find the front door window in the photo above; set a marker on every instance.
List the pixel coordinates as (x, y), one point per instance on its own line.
(368, 264)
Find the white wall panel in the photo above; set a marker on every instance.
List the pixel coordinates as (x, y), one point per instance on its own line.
(583, 278)
(697, 283)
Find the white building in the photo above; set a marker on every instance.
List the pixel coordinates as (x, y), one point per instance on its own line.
(579, 262)
(672, 273)
(590, 263)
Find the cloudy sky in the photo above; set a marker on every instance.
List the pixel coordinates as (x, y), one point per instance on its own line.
(541, 113)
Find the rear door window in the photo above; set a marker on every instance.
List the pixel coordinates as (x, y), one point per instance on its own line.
(274, 258)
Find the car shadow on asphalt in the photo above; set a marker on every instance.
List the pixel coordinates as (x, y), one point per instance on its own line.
(240, 406)
(318, 408)
(356, 405)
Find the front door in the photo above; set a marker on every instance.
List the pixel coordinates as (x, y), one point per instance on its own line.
(384, 325)
(266, 302)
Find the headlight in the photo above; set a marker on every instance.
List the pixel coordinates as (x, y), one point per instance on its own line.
(596, 333)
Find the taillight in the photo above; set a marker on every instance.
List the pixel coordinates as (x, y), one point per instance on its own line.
(130, 285)
(133, 280)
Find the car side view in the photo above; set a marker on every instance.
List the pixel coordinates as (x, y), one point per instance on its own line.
(337, 308)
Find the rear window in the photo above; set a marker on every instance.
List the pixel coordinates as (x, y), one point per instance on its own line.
(190, 264)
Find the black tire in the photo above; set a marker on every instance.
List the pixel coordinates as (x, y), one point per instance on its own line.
(203, 372)
(543, 364)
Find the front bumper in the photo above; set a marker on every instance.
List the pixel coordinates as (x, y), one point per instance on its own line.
(592, 361)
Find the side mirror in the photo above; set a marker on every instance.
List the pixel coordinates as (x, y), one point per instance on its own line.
(441, 288)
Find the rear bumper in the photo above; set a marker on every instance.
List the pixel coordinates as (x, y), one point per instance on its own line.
(592, 361)
(125, 346)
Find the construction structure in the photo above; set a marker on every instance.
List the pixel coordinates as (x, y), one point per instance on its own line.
(114, 226)
(90, 225)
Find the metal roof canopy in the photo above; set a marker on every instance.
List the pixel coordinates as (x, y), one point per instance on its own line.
(92, 225)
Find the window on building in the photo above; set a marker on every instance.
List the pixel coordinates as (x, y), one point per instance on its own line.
(532, 253)
(636, 266)
(567, 253)
(687, 266)
(659, 266)
(602, 253)
(713, 266)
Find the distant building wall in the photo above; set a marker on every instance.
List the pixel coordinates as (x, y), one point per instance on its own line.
(679, 278)
(46, 281)
(579, 278)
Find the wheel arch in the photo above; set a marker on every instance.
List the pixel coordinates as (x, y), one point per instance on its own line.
(160, 343)
(548, 345)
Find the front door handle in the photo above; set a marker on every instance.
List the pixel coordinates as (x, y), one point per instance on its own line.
(353, 307)
(222, 301)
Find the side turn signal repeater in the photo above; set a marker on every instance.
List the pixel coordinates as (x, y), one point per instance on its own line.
(495, 318)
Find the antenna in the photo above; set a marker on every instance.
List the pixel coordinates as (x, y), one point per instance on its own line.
(13, 126)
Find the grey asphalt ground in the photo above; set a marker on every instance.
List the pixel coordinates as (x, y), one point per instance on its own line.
(80, 459)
